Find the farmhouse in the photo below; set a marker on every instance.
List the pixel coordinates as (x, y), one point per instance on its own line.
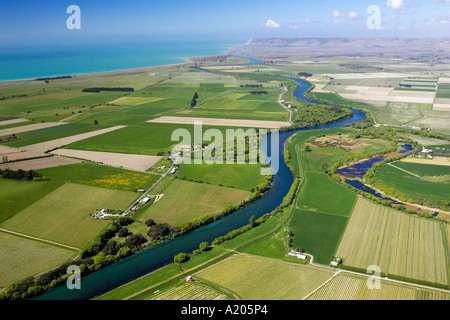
(144, 200)
(297, 254)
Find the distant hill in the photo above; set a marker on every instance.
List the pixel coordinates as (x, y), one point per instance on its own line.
(434, 44)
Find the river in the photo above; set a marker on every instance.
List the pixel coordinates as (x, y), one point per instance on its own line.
(157, 256)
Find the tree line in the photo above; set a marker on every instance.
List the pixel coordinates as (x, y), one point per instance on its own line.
(20, 174)
(98, 89)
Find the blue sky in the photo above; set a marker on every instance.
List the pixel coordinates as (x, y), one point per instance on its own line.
(26, 21)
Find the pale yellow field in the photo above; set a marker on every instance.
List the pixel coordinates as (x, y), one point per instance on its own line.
(400, 244)
(134, 101)
(40, 163)
(257, 278)
(63, 215)
(12, 121)
(21, 258)
(222, 122)
(123, 160)
(350, 287)
(427, 161)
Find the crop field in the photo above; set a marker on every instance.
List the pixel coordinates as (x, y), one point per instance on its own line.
(426, 161)
(317, 233)
(222, 122)
(61, 142)
(256, 278)
(17, 195)
(413, 185)
(100, 176)
(239, 176)
(443, 91)
(10, 122)
(122, 160)
(21, 258)
(146, 139)
(398, 243)
(422, 169)
(189, 291)
(30, 127)
(51, 133)
(184, 201)
(134, 101)
(39, 163)
(63, 215)
(350, 287)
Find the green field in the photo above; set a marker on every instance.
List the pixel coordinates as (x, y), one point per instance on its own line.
(47, 134)
(239, 176)
(148, 138)
(184, 201)
(101, 176)
(63, 215)
(443, 91)
(412, 185)
(256, 278)
(21, 257)
(422, 169)
(317, 233)
(400, 244)
(17, 195)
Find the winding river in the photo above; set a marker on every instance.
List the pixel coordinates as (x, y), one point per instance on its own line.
(155, 257)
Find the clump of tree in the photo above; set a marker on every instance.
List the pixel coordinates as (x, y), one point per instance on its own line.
(194, 100)
(262, 92)
(251, 85)
(160, 231)
(305, 74)
(20, 174)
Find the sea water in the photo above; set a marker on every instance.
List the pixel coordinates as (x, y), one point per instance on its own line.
(30, 62)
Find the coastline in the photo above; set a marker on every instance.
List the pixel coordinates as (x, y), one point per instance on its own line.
(187, 60)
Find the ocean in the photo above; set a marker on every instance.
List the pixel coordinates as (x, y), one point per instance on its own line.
(22, 62)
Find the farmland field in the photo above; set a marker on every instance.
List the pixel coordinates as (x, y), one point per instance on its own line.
(184, 201)
(190, 291)
(38, 163)
(239, 176)
(122, 160)
(317, 233)
(63, 215)
(21, 257)
(100, 176)
(244, 275)
(398, 243)
(350, 287)
(412, 185)
(17, 195)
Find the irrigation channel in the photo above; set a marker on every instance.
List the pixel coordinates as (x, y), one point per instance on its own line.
(157, 256)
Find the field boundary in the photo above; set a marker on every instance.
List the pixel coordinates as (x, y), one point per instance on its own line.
(39, 239)
(413, 174)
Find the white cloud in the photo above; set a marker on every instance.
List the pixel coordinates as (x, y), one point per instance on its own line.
(293, 26)
(442, 1)
(307, 20)
(352, 15)
(395, 4)
(271, 24)
(336, 14)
